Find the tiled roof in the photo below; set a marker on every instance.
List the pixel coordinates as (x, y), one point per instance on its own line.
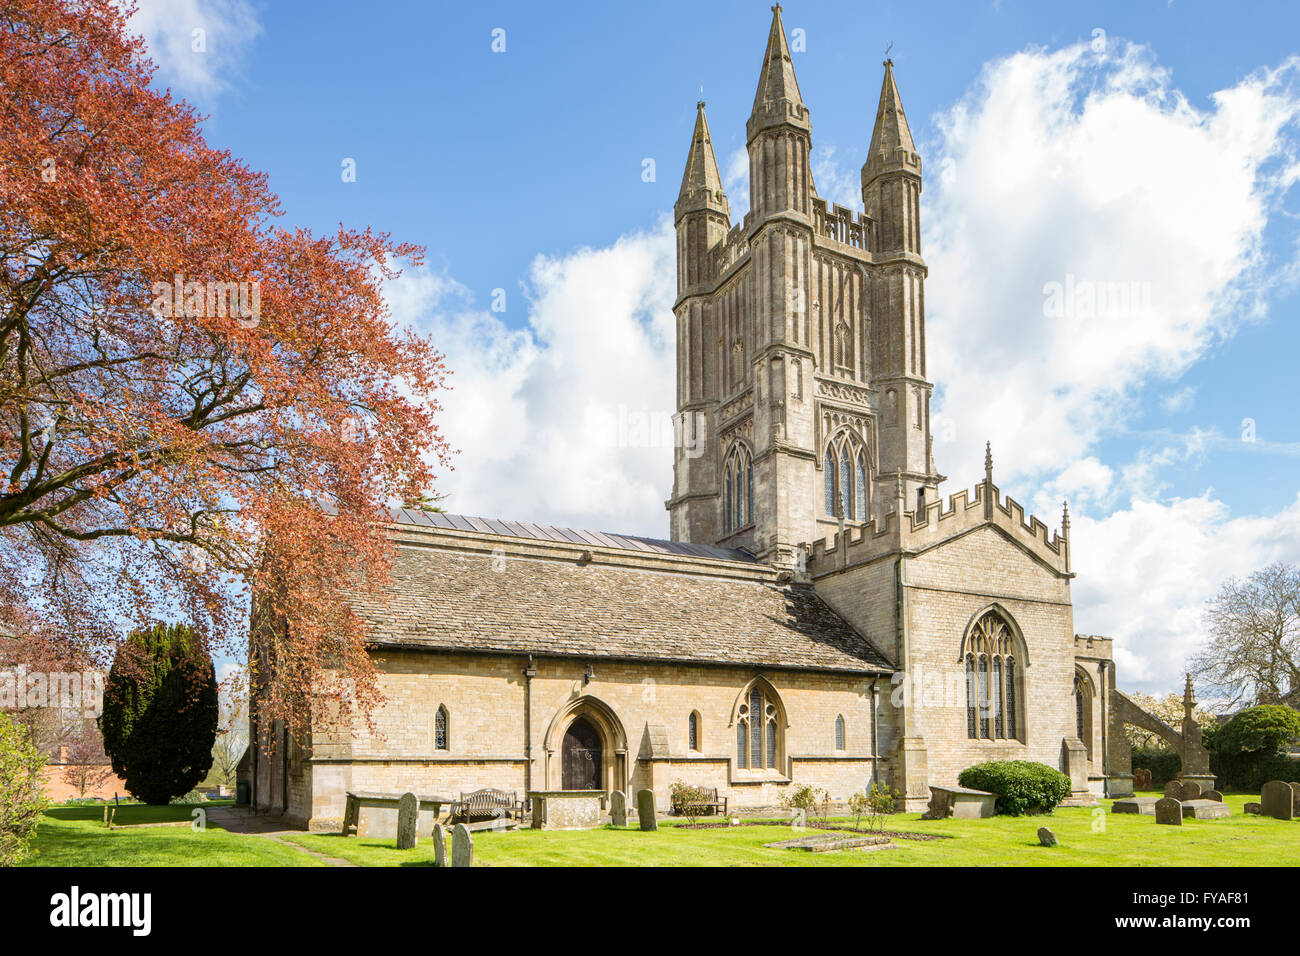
(448, 599)
(546, 532)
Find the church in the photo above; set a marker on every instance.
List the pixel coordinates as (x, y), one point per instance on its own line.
(819, 614)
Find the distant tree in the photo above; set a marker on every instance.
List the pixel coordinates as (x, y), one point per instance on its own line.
(1253, 651)
(85, 763)
(160, 713)
(232, 737)
(22, 800)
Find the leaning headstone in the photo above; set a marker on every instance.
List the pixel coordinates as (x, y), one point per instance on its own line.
(1214, 795)
(1142, 779)
(1169, 810)
(462, 846)
(1174, 789)
(408, 812)
(439, 845)
(1253, 808)
(645, 809)
(1277, 800)
(1046, 837)
(1191, 791)
(618, 808)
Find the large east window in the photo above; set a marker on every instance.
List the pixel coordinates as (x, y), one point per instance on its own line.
(994, 708)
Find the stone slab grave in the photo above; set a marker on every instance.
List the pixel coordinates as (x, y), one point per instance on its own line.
(439, 845)
(462, 846)
(1146, 806)
(960, 803)
(1277, 800)
(1205, 809)
(618, 808)
(408, 812)
(645, 810)
(824, 842)
(1169, 811)
(567, 809)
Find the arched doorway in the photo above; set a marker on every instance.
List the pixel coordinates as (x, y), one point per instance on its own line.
(580, 756)
(585, 748)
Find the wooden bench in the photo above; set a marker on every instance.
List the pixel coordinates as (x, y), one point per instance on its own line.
(356, 800)
(488, 805)
(709, 805)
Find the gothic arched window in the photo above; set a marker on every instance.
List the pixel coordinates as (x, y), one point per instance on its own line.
(758, 731)
(845, 467)
(693, 731)
(737, 489)
(993, 699)
(839, 732)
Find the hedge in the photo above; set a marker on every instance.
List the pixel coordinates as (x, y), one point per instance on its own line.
(1022, 786)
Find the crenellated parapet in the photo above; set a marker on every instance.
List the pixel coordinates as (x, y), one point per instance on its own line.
(915, 532)
(843, 225)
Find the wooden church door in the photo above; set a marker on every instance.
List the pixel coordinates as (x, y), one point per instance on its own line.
(580, 757)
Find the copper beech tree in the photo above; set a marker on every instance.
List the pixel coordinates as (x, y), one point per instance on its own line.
(199, 410)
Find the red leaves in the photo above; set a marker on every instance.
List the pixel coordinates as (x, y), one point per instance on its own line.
(171, 463)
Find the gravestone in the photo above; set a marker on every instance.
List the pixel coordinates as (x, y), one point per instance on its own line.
(1174, 789)
(439, 845)
(645, 809)
(1191, 790)
(1169, 810)
(408, 812)
(1212, 795)
(1295, 800)
(1277, 800)
(618, 808)
(1253, 808)
(462, 846)
(1142, 779)
(1046, 837)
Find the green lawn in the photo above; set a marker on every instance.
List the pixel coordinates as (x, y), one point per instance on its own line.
(1126, 840)
(75, 836)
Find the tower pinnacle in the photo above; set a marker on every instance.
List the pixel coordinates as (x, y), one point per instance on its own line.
(892, 146)
(701, 182)
(777, 99)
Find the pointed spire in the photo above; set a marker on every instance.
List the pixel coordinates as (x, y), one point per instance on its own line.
(891, 146)
(988, 461)
(701, 182)
(777, 99)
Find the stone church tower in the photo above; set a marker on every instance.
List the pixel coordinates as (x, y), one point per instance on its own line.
(803, 394)
(801, 333)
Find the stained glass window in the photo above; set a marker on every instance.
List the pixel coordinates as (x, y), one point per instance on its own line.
(839, 732)
(440, 729)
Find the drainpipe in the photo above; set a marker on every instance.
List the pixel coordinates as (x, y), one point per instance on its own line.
(529, 673)
(875, 744)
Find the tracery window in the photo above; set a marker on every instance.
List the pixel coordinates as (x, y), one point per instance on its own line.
(758, 732)
(847, 488)
(737, 489)
(992, 693)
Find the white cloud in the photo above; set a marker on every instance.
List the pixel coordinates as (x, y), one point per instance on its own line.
(1145, 573)
(1179, 401)
(565, 416)
(1075, 169)
(196, 44)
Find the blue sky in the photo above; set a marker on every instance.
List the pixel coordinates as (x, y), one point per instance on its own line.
(1137, 143)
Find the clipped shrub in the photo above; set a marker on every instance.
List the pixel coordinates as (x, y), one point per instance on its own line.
(1022, 786)
(160, 713)
(1248, 750)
